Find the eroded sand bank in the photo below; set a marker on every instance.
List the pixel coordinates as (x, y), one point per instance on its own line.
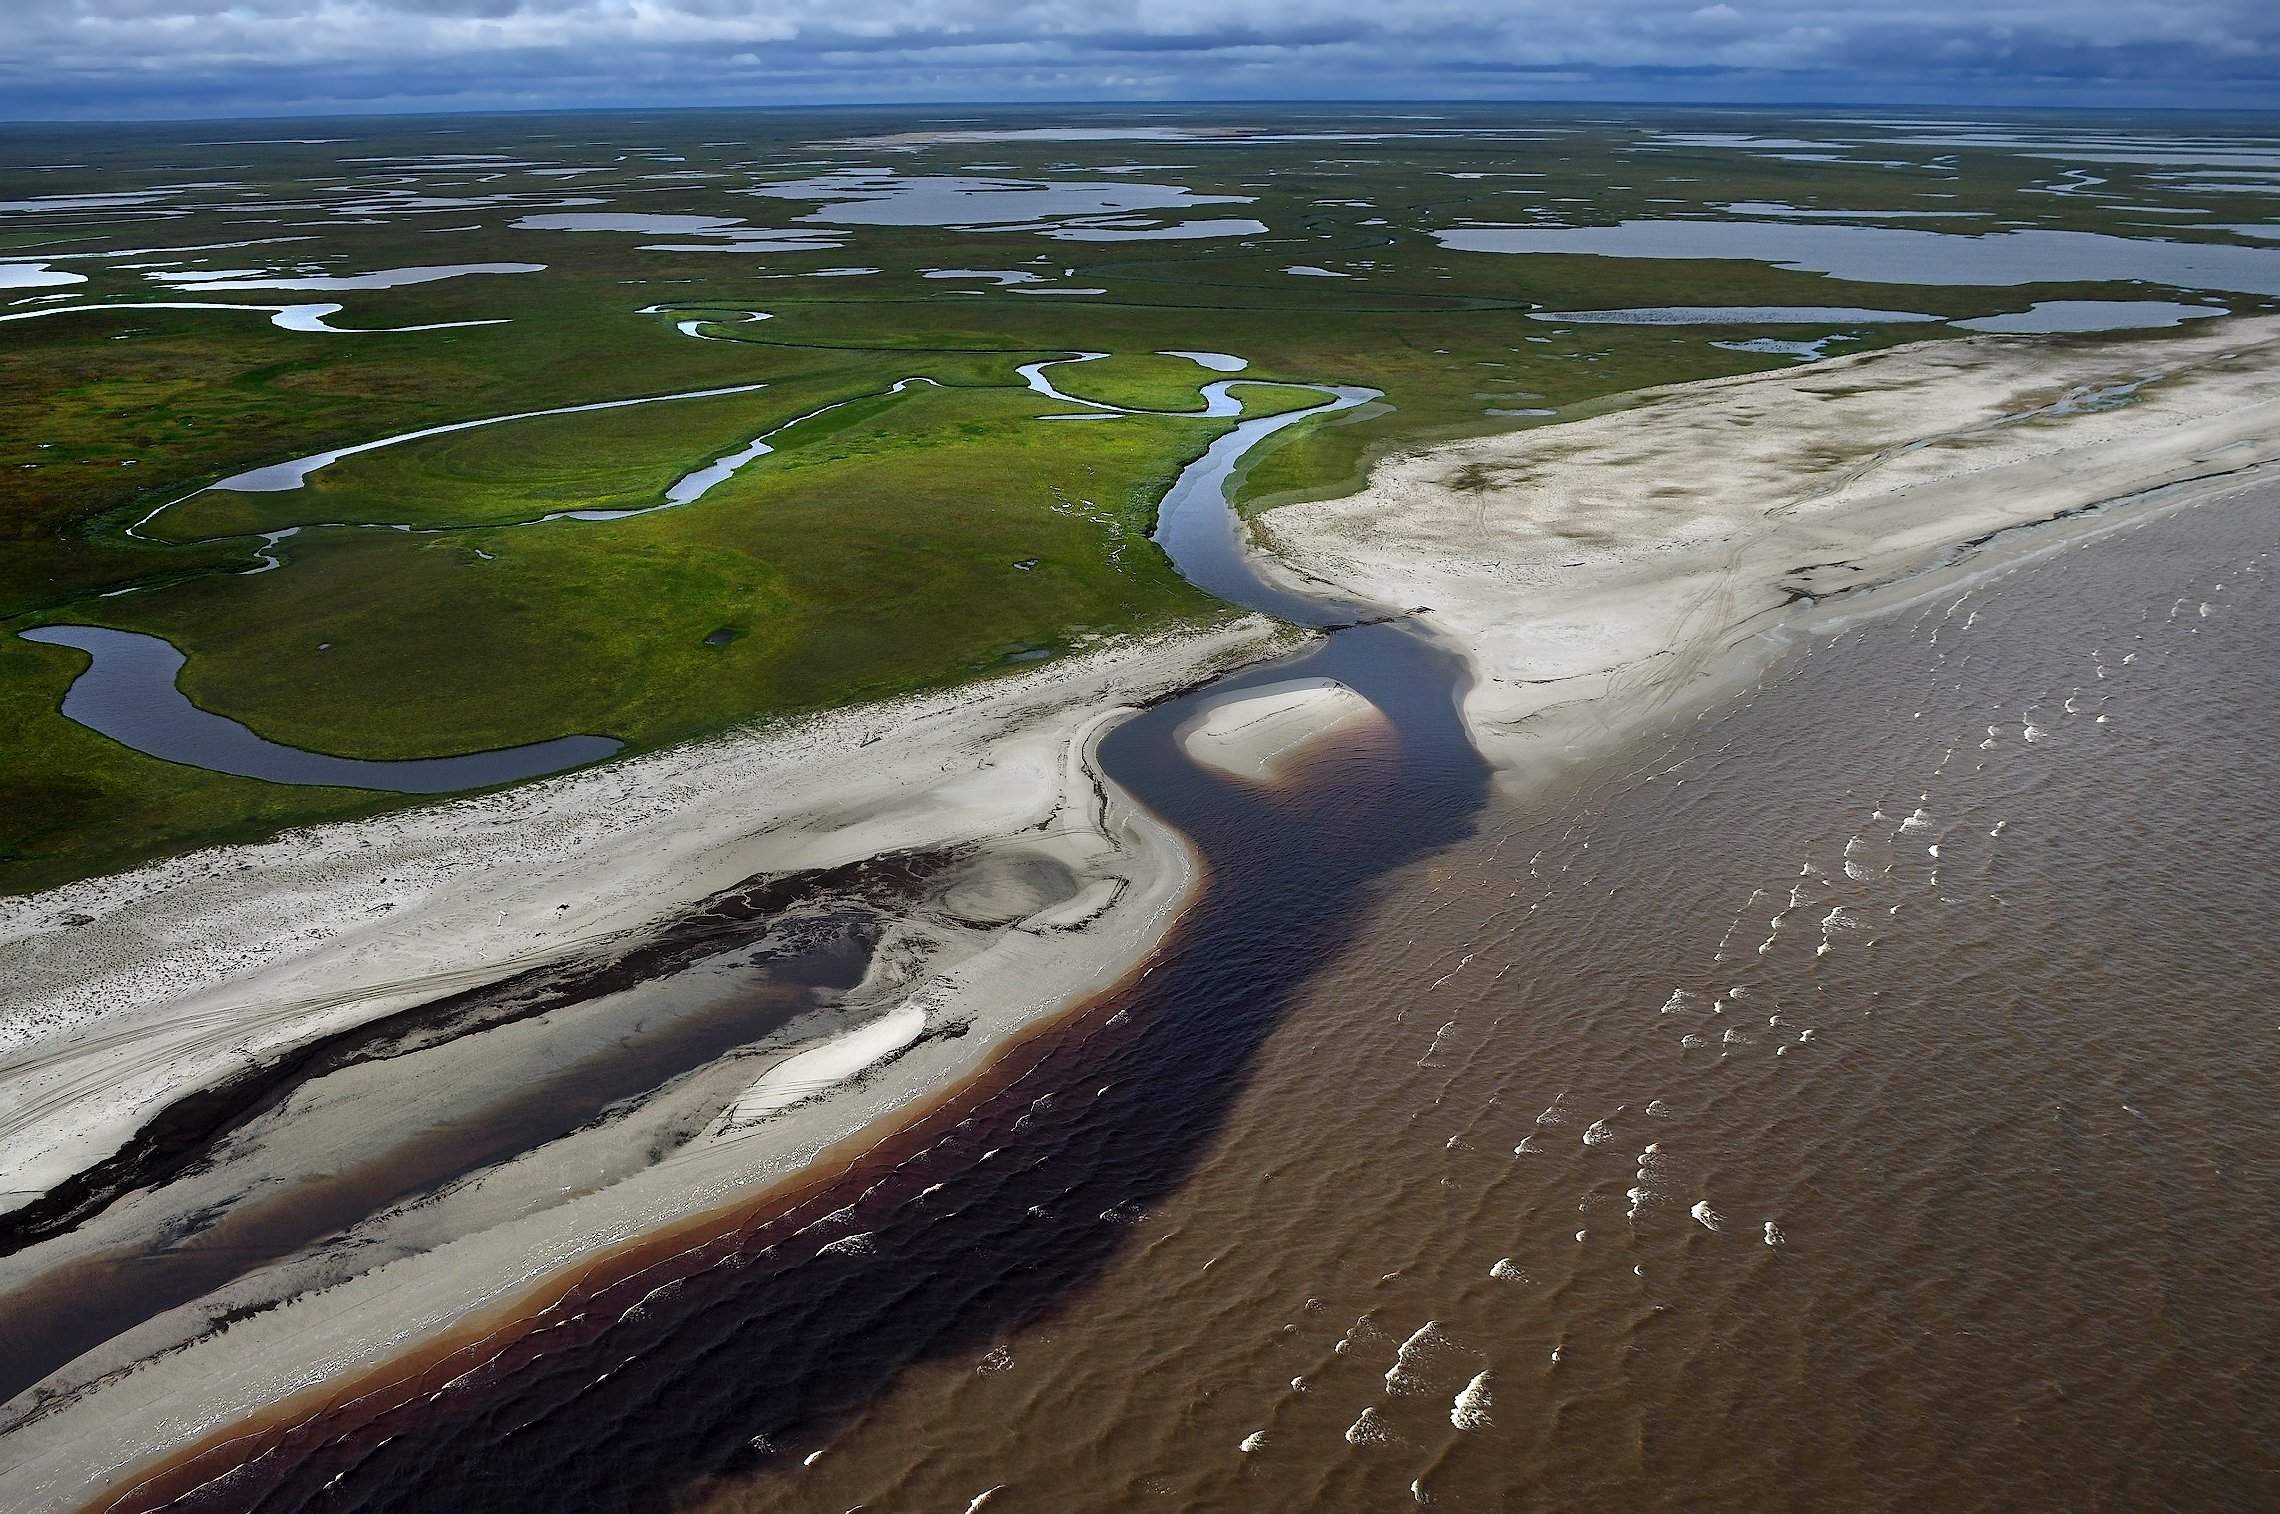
(129, 991)
(1597, 571)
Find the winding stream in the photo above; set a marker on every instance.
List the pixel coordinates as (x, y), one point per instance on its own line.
(128, 693)
(1163, 1059)
(130, 690)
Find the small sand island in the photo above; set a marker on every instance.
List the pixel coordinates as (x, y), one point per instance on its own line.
(1251, 734)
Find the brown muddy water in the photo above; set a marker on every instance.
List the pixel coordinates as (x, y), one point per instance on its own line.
(1858, 1097)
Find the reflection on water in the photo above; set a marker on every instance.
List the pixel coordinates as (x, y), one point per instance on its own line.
(128, 693)
(876, 197)
(2046, 316)
(1903, 255)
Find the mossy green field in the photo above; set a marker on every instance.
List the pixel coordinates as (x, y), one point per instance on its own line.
(890, 540)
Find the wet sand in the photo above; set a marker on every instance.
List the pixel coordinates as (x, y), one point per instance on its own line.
(1251, 734)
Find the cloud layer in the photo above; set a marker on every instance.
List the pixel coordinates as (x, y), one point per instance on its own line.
(157, 58)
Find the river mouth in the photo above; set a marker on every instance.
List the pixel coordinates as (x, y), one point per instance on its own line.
(1784, 1076)
(640, 1028)
(1159, 1060)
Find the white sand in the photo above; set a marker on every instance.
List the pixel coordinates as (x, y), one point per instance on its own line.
(1599, 571)
(1250, 733)
(197, 962)
(192, 965)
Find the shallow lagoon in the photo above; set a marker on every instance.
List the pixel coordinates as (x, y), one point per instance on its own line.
(1901, 255)
(1172, 231)
(384, 278)
(1734, 315)
(2049, 316)
(729, 234)
(36, 276)
(309, 316)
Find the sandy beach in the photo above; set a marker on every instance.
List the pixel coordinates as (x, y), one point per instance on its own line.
(1597, 572)
(138, 984)
(1598, 575)
(139, 988)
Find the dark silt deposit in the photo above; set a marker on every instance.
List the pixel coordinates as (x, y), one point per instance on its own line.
(750, 960)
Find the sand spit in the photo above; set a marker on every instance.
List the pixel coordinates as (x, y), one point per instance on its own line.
(1248, 734)
(126, 993)
(124, 989)
(1597, 571)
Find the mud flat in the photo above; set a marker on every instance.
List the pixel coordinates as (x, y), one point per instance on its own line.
(1596, 572)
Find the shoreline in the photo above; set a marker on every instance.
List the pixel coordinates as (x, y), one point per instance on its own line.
(1599, 574)
(1740, 613)
(631, 1265)
(1022, 784)
(412, 906)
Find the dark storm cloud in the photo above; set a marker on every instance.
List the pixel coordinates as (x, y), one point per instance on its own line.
(170, 57)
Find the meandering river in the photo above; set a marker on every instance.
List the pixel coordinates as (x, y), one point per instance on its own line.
(1856, 1092)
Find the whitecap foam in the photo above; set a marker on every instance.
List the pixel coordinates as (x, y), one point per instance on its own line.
(1470, 1410)
(1370, 1429)
(1403, 1376)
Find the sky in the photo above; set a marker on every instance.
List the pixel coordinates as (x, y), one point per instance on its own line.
(161, 59)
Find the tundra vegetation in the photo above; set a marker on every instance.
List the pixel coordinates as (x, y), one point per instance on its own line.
(921, 513)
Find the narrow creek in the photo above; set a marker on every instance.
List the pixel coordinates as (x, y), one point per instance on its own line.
(1425, 782)
(130, 689)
